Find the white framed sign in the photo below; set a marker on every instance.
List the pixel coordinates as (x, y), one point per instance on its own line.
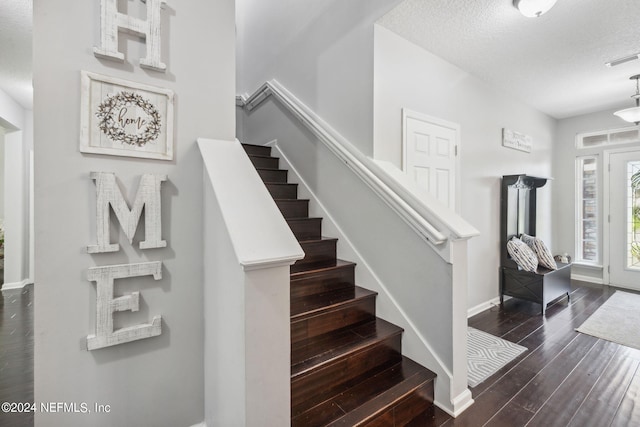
(124, 118)
(516, 140)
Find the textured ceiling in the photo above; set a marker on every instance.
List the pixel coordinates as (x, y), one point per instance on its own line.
(554, 63)
(15, 50)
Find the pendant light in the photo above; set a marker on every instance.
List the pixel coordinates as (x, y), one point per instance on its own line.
(632, 115)
(533, 8)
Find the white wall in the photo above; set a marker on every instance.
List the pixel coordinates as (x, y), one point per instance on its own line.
(18, 140)
(565, 153)
(156, 381)
(11, 113)
(407, 76)
(16, 213)
(2, 174)
(322, 51)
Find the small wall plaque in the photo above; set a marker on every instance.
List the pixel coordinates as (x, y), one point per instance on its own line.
(123, 118)
(516, 140)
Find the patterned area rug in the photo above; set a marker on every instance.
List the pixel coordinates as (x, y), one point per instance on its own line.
(486, 354)
(617, 320)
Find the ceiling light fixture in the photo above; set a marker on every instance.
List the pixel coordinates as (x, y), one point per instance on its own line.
(619, 61)
(632, 115)
(533, 8)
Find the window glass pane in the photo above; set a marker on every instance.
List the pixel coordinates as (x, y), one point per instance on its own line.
(624, 136)
(587, 209)
(627, 135)
(594, 140)
(633, 215)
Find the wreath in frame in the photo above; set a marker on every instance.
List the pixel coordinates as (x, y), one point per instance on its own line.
(108, 122)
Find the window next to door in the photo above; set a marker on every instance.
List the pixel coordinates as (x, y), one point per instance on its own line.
(587, 235)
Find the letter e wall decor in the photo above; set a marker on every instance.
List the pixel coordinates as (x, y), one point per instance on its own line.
(106, 304)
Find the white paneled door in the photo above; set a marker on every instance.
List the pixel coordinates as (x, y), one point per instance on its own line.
(624, 219)
(430, 148)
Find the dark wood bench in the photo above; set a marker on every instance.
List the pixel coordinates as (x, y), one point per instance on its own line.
(518, 216)
(541, 287)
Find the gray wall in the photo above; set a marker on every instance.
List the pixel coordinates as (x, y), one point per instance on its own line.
(407, 76)
(322, 51)
(18, 140)
(2, 173)
(156, 381)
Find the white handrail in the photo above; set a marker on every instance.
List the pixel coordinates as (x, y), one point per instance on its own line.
(260, 240)
(432, 221)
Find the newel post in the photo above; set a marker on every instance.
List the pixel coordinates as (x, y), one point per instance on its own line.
(460, 395)
(248, 249)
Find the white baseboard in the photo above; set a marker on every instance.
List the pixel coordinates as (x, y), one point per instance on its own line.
(596, 280)
(458, 404)
(483, 306)
(16, 285)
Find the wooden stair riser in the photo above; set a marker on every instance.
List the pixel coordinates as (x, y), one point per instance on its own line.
(306, 228)
(265, 162)
(324, 407)
(405, 410)
(323, 281)
(316, 253)
(375, 393)
(273, 175)
(282, 190)
(353, 313)
(334, 374)
(297, 208)
(257, 150)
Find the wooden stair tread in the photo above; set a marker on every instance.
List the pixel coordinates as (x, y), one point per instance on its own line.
(252, 149)
(312, 304)
(339, 263)
(273, 169)
(323, 401)
(282, 190)
(323, 239)
(319, 253)
(431, 417)
(262, 156)
(369, 395)
(303, 218)
(311, 353)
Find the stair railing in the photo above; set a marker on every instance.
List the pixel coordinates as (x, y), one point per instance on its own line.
(428, 217)
(440, 227)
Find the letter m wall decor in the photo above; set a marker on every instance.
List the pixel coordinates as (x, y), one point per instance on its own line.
(108, 195)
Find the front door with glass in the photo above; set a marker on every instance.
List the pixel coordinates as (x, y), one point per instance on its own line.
(624, 219)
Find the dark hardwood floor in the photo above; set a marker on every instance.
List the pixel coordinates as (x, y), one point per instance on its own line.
(564, 379)
(16, 353)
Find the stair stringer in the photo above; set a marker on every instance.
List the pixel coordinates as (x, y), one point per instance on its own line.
(414, 343)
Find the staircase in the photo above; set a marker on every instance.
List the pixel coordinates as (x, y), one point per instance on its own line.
(346, 364)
